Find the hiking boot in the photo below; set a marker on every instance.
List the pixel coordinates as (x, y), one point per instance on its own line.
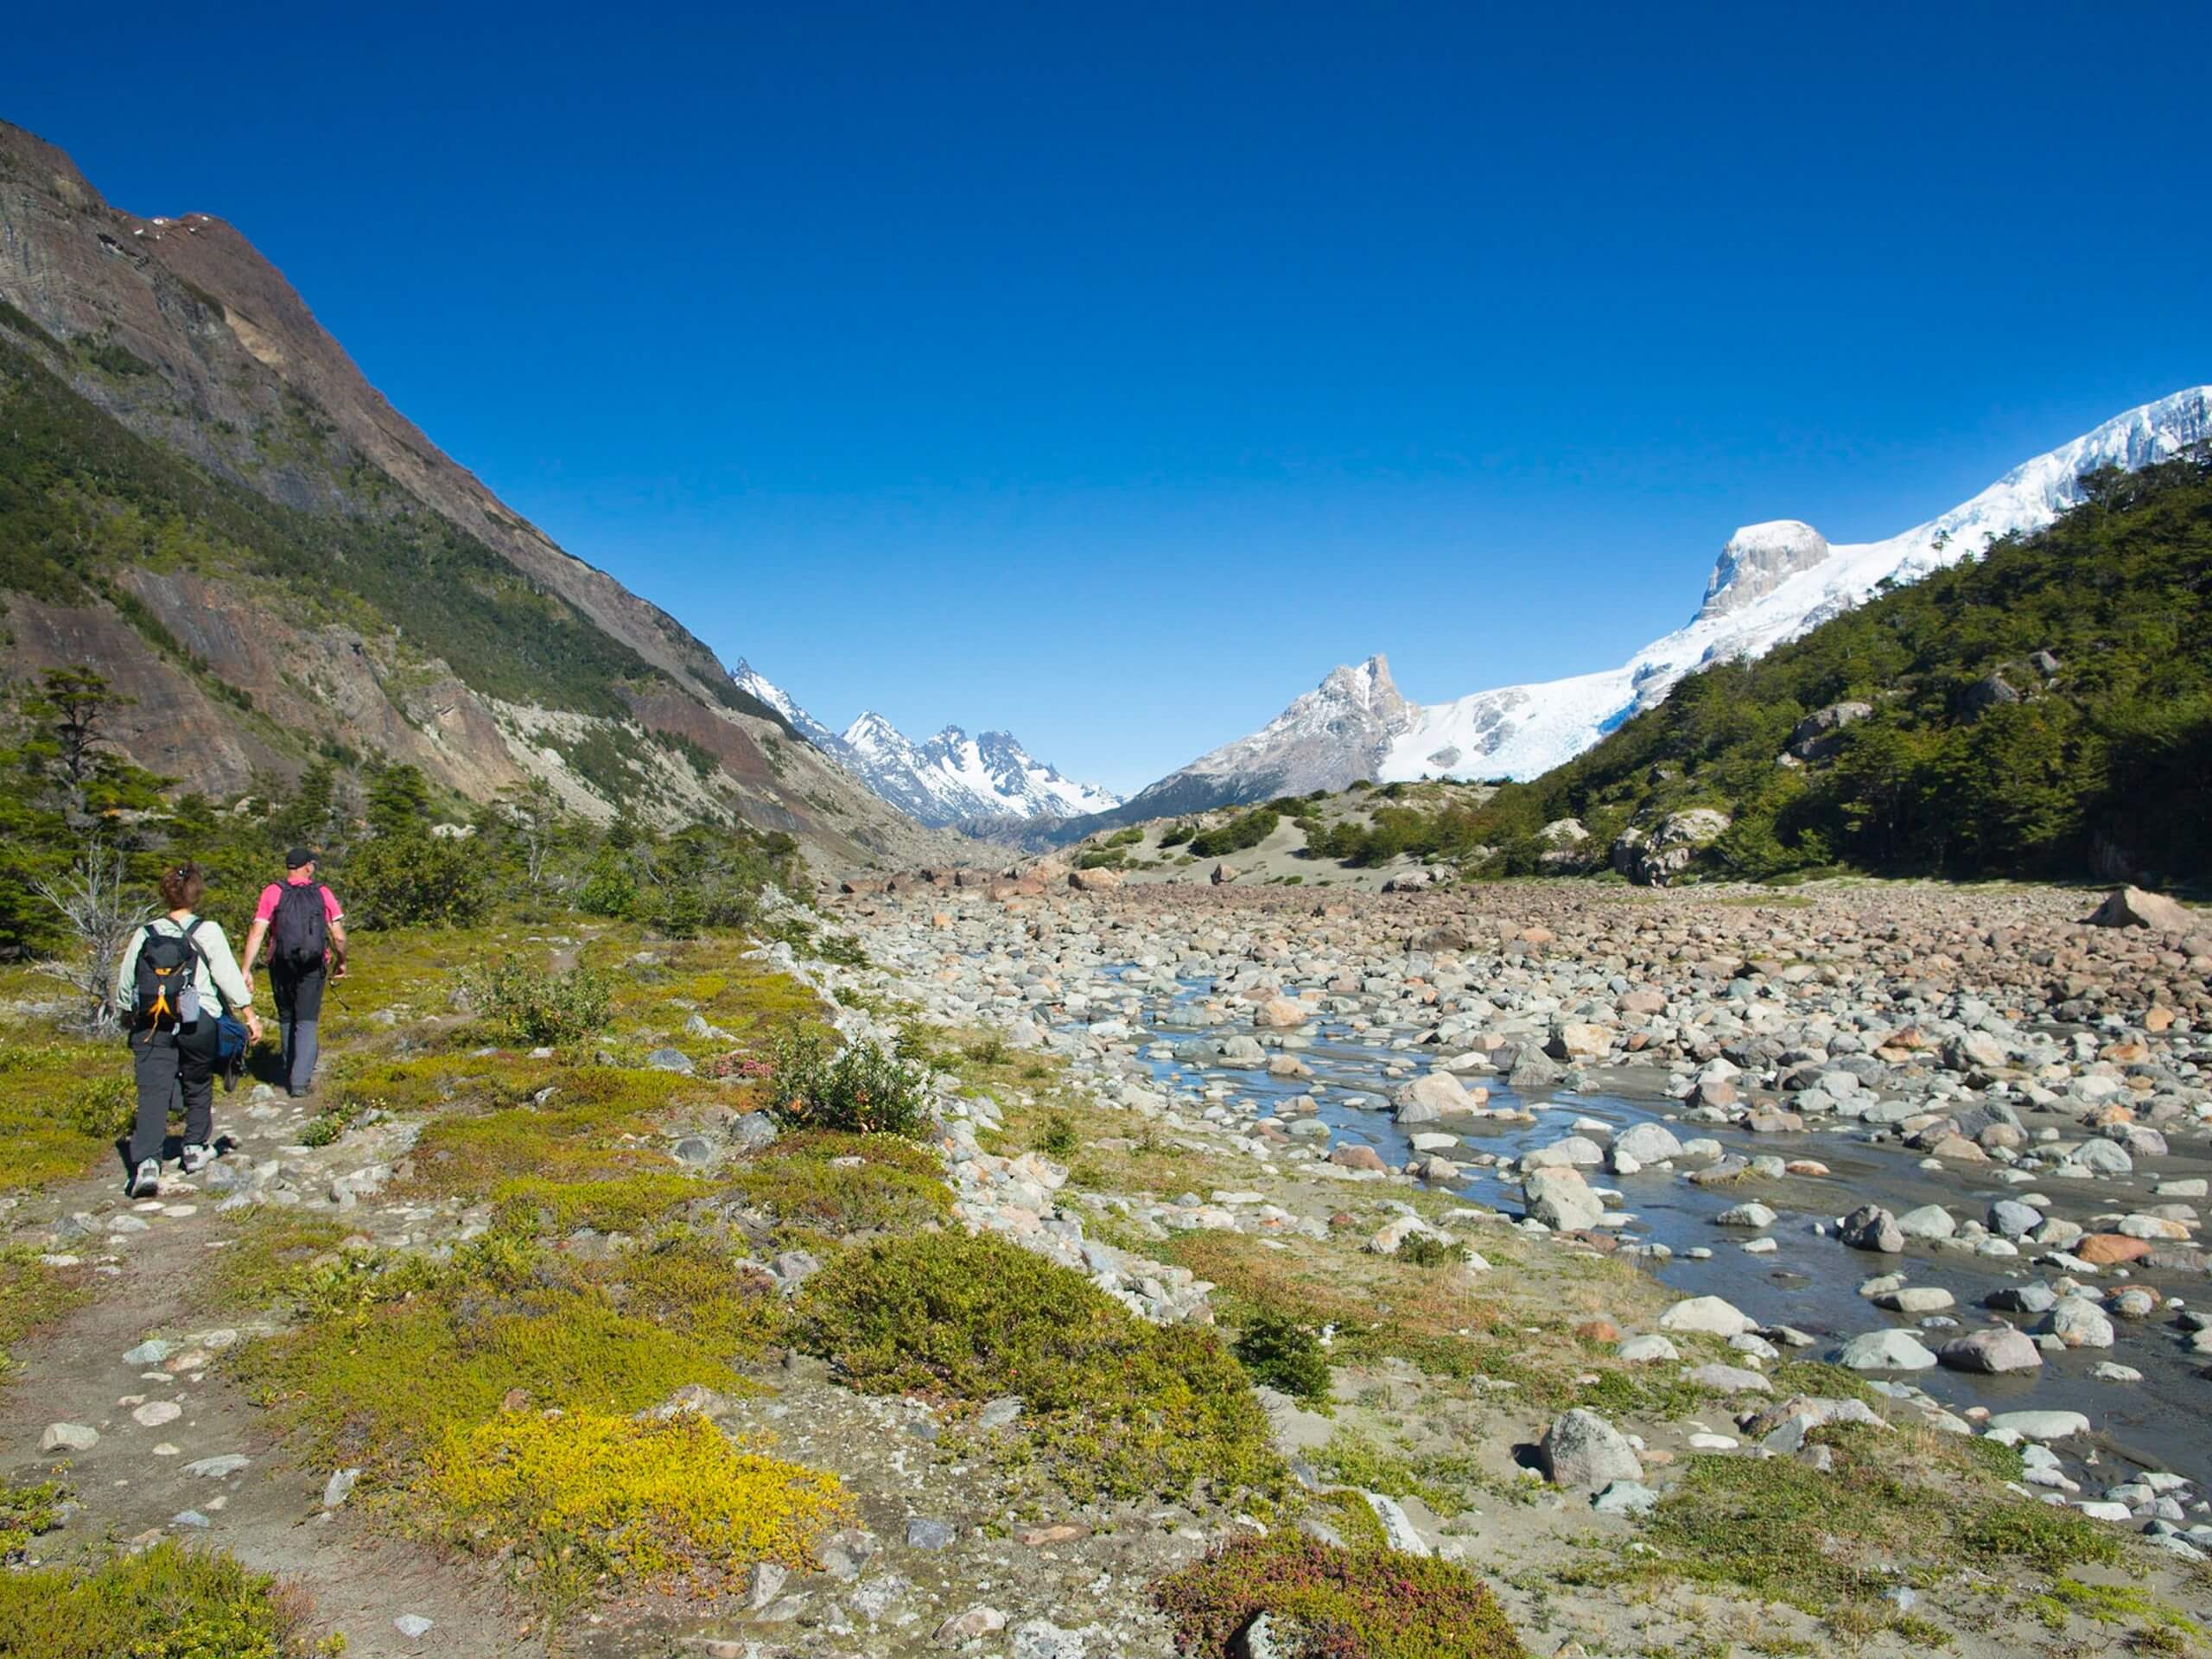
(146, 1181)
(193, 1158)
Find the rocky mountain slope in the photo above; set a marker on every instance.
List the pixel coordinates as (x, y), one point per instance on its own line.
(985, 784)
(205, 500)
(1772, 582)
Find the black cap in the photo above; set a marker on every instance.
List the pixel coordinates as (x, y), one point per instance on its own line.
(298, 856)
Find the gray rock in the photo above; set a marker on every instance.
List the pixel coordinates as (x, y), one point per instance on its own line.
(2033, 1297)
(217, 1468)
(1625, 1498)
(925, 1531)
(671, 1059)
(69, 1437)
(1648, 1143)
(753, 1132)
(339, 1487)
(1929, 1222)
(2001, 1349)
(1584, 1452)
(1870, 1227)
(413, 1626)
(1885, 1351)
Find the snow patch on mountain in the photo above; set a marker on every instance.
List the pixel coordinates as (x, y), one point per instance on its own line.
(951, 779)
(1772, 582)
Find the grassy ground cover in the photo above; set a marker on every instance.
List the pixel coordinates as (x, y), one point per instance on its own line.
(1119, 1408)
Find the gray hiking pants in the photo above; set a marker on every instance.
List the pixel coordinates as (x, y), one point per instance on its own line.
(299, 1012)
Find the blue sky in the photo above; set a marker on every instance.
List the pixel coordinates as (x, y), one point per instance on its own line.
(1110, 373)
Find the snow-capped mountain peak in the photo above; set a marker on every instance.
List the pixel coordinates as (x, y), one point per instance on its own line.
(948, 779)
(1771, 583)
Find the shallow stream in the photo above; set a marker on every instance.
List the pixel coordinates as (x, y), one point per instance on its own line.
(1811, 1281)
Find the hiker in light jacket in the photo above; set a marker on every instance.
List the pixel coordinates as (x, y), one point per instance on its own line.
(176, 979)
(305, 926)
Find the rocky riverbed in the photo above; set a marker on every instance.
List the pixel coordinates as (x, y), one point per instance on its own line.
(1954, 1141)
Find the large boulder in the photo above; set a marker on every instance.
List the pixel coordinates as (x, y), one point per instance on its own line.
(1095, 880)
(1885, 1351)
(1647, 1143)
(1999, 1349)
(2133, 907)
(1820, 734)
(1707, 1316)
(1656, 856)
(1870, 1227)
(1436, 1095)
(1562, 1200)
(1583, 1453)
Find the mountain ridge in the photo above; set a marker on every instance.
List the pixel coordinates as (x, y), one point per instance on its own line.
(1771, 581)
(983, 784)
(274, 565)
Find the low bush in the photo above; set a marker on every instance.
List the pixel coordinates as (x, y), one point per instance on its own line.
(416, 880)
(1058, 1138)
(1285, 1353)
(1120, 1408)
(1326, 1603)
(166, 1602)
(1247, 831)
(820, 1182)
(536, 1007)
(25, 1512)
(585, 1496)
(858, 1090)
(1917, 1500)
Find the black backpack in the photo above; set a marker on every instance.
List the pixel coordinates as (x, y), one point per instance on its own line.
(165, 997)
(299, 933)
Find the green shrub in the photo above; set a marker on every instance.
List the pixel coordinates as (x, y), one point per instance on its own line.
(25, 1512)
(1427, 1250)
(1178, 834)
(168, 1603)
(416, 881)
(1119, 1408)
(1239, 833)
(859, 1090)
(536, 1006)
(1285, 1353)
(1326, 1603)
(1058, 1138)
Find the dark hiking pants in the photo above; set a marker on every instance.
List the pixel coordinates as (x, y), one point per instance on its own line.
(165, 1069)
(299, 1013)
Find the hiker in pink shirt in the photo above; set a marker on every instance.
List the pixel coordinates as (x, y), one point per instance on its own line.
(304, 925)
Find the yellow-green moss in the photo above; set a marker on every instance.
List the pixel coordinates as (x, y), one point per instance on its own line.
(381, 1387)
(582, 1496)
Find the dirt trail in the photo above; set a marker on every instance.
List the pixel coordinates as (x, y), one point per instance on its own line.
(146, 1479)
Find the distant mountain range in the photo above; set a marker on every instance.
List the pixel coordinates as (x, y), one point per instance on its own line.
(983, 784)
(1772, 582)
